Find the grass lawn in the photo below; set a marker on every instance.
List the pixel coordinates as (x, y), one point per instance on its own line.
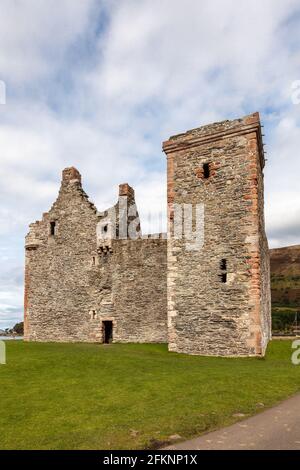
(128, 396)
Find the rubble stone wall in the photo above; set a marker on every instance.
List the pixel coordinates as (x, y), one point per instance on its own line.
(71, 286)
(219, 166)
(211, 299)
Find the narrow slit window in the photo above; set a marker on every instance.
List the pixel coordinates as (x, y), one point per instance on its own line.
(206, 170)
(223, 268)
(52, 228)
(223, 264)
(94, 260)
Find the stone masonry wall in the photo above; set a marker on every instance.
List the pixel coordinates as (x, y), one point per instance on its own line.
(140, 290)
(211, 301)
(71, 285)
(205, 315)
(62, 281)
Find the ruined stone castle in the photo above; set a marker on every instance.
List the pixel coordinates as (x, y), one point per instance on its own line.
(94, 277)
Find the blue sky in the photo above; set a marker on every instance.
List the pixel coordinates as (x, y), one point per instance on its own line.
(100, 84)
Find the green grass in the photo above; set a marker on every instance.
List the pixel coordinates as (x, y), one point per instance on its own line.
(88, 396)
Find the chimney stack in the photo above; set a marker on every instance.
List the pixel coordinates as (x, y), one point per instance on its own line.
(71, 175)
(126, 190)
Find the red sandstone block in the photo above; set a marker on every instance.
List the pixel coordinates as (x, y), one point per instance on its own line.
(70, 174)
(126, 190)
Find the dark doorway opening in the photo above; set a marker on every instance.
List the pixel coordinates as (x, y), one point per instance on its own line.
(206, 170)
(107, 331)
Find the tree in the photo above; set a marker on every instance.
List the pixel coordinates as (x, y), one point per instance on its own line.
(19, 328)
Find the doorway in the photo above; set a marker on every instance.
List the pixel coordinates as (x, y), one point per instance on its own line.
(107, 328)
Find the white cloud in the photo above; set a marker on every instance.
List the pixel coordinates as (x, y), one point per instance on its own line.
(35, 35)
(282, 186)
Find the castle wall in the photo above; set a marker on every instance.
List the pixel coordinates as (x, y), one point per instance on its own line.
(263, 316)
(71, 286)
(61, 281)
(140, 290)
(210, 298)
(205, 315)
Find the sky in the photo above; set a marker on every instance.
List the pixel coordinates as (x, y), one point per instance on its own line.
(99, 84)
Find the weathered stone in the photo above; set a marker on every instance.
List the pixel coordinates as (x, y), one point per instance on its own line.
(85, 277)
(213, 311)
(75, 280)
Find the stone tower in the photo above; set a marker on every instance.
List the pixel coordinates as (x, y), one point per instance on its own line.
(219, 292)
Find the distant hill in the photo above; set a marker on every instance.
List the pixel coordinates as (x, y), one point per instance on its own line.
(285, 276)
